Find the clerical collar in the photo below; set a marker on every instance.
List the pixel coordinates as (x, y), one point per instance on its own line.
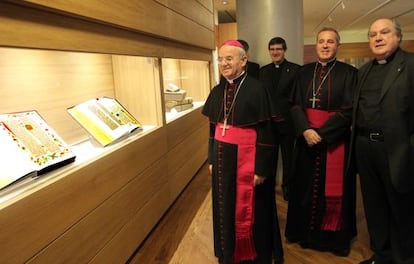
(234, 79)
(388, 59)
(278, 65)
(325, 63)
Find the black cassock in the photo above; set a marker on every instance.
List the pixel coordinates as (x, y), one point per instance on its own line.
(251, 111)
(308, 209)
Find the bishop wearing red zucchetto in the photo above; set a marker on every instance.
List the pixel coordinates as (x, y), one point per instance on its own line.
(241, 151)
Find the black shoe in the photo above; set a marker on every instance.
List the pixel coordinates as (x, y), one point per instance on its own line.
(375, 259)
(304, 244)
(279, 260)
(371, 260)
(341, 252)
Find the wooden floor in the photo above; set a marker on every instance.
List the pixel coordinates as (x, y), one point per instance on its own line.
(184, 234)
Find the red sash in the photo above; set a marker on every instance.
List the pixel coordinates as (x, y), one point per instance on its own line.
(245, 139)
(334, 173)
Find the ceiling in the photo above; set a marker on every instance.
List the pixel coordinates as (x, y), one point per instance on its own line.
(350, 17)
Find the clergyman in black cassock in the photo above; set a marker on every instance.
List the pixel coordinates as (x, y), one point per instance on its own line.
(383, 144)
(322, 190)
(278, 77)
(245, 222)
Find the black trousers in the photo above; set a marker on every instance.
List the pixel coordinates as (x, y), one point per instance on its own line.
(286, 144)
(389, 214)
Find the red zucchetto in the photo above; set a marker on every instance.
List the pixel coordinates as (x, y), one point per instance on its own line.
(233, 42)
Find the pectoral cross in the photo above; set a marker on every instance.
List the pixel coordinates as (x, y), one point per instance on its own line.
(314, 100)
(224, 127)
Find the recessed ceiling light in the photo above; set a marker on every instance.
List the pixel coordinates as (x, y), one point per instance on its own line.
(224, 2)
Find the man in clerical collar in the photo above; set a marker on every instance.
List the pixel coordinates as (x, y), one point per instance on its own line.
(321, 209)
(278, 77)
(240, 153)
(383, 144)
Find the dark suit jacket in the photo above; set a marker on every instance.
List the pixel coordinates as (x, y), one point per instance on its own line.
(252, 69)
(396, 116)
(280, 91)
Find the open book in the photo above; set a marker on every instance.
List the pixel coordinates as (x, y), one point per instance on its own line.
(105, 119)
(29, 147)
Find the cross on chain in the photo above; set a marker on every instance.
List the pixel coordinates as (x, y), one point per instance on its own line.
(314, 100)
(224, 127)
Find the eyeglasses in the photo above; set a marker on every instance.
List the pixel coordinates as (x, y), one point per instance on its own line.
(228, 59)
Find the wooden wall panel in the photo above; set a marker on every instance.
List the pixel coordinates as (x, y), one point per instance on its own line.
(32, 28)
(226, 31)
(136, 230)
(38, 217)
(100, 226)
(184, 161)
(181, 128)
(191, 9)
(207, 4)
(146, 16)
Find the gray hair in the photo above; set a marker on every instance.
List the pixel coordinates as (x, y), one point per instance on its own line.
(397, 28)
(338, 38)
(395, 24)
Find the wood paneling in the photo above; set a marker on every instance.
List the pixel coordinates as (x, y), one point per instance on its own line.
(226, 31)
(207, 4)
(191, 9)
(184, 162)
(120, 248)
(188, 124)
(39, 217)
(32, 28)
(177, 20)
(105, 222)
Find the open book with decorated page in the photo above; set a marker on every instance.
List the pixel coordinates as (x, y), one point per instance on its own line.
(105, 119)
(29, 147)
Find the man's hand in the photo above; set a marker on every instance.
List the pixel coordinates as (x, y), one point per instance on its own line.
(258, 180)
(311, 137)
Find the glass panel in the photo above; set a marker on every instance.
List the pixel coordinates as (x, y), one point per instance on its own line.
(51, 81)
(186, 86)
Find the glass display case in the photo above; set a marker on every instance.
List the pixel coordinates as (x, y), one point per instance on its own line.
(52, 81)
(186, 86)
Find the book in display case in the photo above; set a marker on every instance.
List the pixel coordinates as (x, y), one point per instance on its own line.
(105, 119)
(186, 85)
(29, 147)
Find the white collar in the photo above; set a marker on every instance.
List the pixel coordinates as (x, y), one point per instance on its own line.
(232, 80)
